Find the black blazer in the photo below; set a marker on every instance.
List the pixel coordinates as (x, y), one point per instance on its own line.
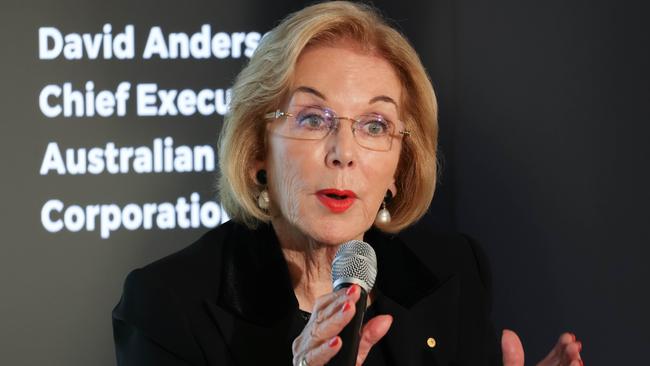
(227, 299)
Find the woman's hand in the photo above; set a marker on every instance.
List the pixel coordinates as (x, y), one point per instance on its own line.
(565, 353)
(319, 341)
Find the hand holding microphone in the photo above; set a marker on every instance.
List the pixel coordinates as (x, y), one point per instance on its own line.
(333, 334)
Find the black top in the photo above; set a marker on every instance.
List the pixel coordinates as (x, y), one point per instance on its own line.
(227, 299)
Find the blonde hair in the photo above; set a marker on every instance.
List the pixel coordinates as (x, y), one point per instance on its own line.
(264, 83)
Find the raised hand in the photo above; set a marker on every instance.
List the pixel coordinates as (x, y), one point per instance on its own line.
(566, 351)
(319, 340)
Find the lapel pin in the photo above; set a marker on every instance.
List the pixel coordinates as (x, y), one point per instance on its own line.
(431, 342)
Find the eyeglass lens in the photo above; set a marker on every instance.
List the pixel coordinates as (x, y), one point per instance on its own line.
(371, 131)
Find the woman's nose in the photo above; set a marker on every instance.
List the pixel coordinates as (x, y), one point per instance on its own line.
(342, 148)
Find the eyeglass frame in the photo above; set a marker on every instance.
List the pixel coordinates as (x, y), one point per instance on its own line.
(277, 114)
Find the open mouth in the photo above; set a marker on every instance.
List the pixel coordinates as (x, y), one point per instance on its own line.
(336, 200)
(336, 196)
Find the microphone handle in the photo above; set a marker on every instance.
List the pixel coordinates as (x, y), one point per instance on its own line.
(351, 333)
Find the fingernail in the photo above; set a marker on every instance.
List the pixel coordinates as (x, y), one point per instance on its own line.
(350, 290)
(333, 342)
(346, 307)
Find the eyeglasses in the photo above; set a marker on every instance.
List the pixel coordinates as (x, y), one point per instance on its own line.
(370, 131)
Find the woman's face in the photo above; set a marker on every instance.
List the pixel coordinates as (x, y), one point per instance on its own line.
(304, 176)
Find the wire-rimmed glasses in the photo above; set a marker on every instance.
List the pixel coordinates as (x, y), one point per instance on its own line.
(371, 131)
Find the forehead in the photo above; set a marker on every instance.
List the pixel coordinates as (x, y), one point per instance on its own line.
(344, 73)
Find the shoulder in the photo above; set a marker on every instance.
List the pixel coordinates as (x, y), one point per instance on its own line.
(192, 271)
(459, 256)
(182, 280)
(448, 252)
(167, 275)
(162, 302)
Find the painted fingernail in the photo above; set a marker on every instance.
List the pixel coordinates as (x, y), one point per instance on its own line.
(346, 307)
(350, 290)
(333, 342)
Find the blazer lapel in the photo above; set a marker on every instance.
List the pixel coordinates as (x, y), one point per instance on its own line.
(254, 344)
(255, 306)
(424, 305)
(424, 333)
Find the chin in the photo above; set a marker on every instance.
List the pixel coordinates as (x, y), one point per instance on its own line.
(336, 230)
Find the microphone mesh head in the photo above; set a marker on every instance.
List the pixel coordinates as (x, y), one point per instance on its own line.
(355, 262)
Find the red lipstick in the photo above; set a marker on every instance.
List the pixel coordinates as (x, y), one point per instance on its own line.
(336, 200)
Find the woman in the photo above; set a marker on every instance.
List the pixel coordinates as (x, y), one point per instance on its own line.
(331, 137)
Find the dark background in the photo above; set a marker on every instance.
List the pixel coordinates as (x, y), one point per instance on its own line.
(544, 126)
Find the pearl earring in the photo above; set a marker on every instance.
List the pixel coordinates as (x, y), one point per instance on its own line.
(263, 200)
(383, 216)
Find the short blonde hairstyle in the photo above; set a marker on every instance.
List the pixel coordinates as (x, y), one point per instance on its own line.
(265, 82)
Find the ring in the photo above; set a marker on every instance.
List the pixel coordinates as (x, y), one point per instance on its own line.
(303, 362)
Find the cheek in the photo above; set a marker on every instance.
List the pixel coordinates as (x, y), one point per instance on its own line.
(288, 187)
(380, 174)
(378, 178)
(288, 180)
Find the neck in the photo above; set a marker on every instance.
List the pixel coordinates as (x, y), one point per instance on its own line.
(309, 263)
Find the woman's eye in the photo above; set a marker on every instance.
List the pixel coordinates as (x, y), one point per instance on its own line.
(311, 120)
(375, 128)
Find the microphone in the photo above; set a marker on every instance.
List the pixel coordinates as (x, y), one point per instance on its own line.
(355, 263)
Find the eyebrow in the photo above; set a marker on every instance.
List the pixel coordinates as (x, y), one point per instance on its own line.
(309, 90)
(382, 98)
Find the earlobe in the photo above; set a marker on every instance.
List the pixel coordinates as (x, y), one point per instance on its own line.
(393, 188)
(383, 216)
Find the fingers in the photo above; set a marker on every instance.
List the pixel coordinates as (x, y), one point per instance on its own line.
(565, 352)
(556, 353)
(512, 349)
(325, 300)
(350, 294)
(319, 340)
(570, 353)
(328, 322)
(371, 333)
(323, 353)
